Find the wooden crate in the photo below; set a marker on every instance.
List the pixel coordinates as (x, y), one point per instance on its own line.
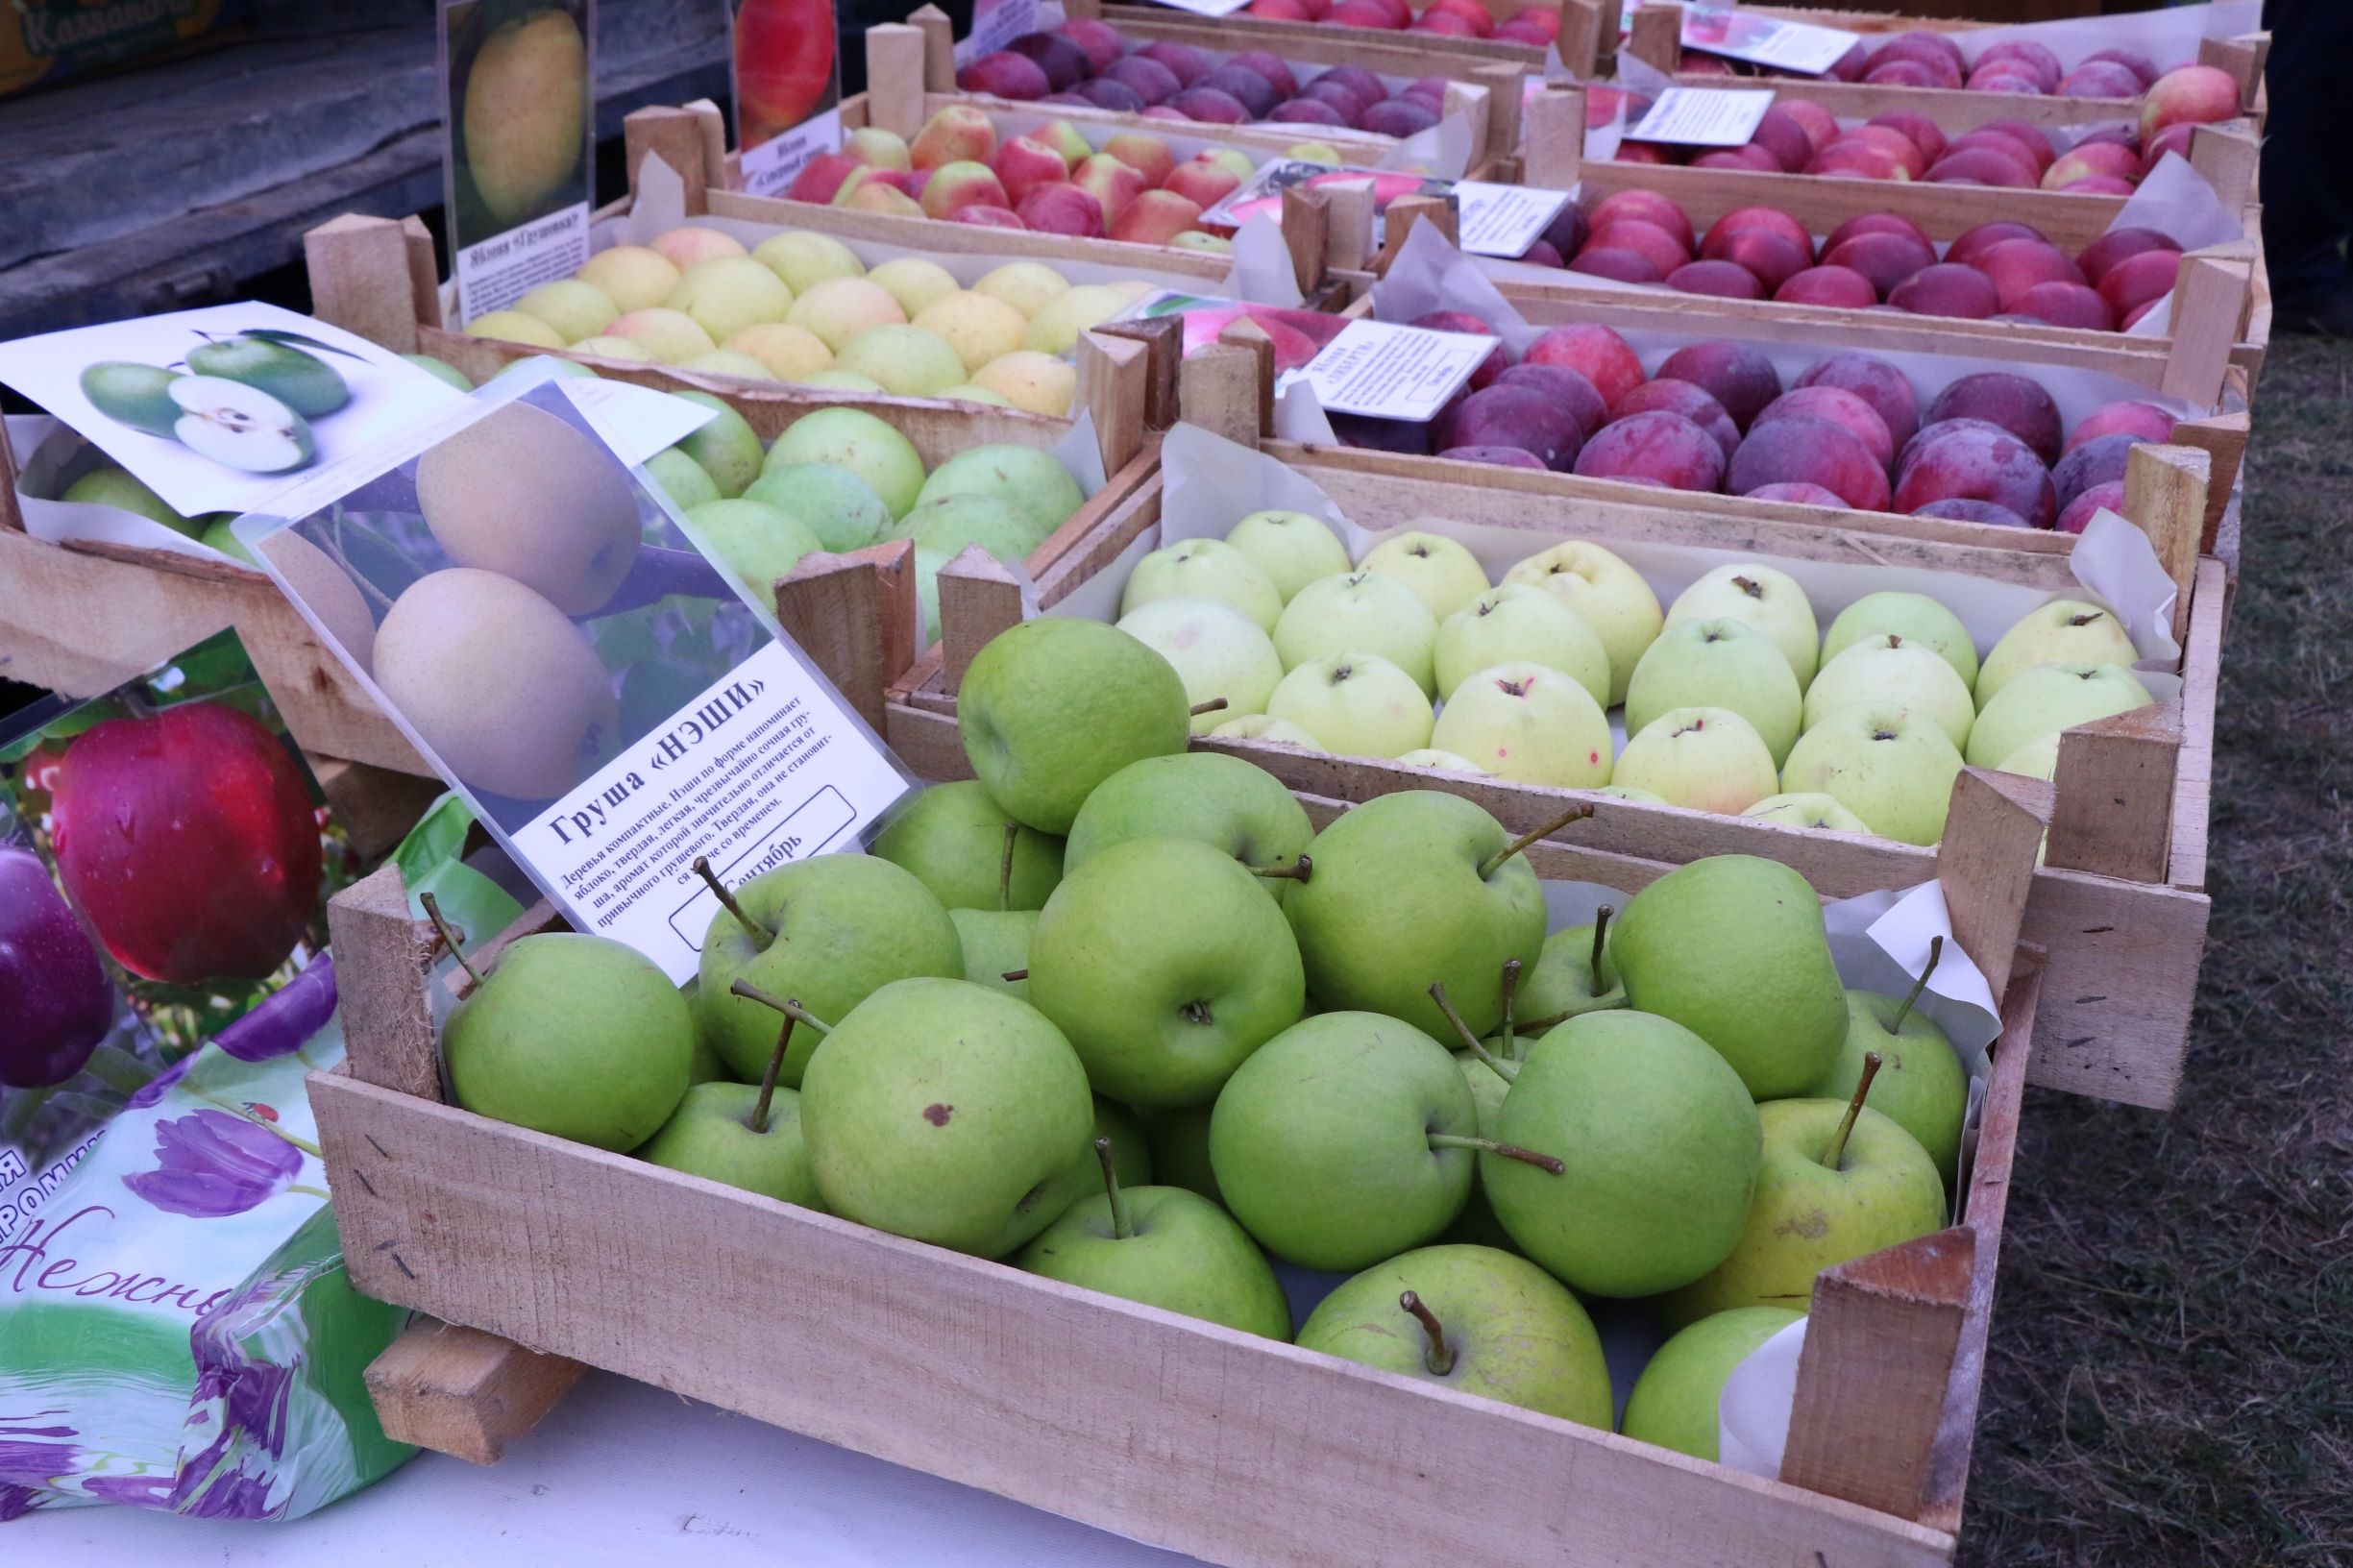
(1586, 39)
(2120, 905)
(538, 1256)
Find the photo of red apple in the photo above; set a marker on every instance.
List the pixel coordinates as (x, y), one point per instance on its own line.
(784, 66)
(188, 841)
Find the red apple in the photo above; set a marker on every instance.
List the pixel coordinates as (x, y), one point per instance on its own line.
(1155, 218)
(56, 1001)
(958, 134)
(820, 178)
(952, 186)
(1110, 182)
(2189, 95)
(1147, 155)
(1202, 183)
(1022, 165)
(1062, 208)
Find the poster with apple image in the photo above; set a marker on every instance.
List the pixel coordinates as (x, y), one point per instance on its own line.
(788, 88)
(518, 83)
(215, 409)
(165, 862)
(558, 642)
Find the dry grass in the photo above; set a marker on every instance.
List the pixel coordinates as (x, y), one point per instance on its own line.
(2171, 1378)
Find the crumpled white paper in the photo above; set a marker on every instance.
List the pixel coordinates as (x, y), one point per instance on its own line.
(2168, 38)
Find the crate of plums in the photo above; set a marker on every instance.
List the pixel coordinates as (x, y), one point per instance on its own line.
(1121, 1118)
(1795, 676)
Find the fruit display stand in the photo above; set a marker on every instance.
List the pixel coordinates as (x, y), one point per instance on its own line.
(1586, 30)
(2118, 906)
(538, 1256)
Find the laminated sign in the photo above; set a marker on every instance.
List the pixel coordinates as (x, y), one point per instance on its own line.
(788, 89)
(519, 102)
(547, 632)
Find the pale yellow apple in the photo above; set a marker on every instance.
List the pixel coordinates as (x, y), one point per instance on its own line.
(1718, 662)
(632, 276)
(1217, 652)
(669, 335)
(2046, 698)
(2063, 631)
(1892, 768)
(1259, 727)
(1361, 611)
(1764, 597)
(1709, 759)
(1036, 384)
(1445, 762)
(838, 310)
(1519, 624)
(1355, 704)
(728, 293)
(805, 259)
(1293, 548)
(1888, 668)
(1527, 723)
(1028, 286)
(574, 308)
(608, 347)
(1204, 568)
(789, 351)
(1810, 810)
(690, 245)
(1612, 597)
(979, 327)
(907, 361)
(514, 327)
(1054, 326)
(1443, 574)
(729, 362)
(914, 282)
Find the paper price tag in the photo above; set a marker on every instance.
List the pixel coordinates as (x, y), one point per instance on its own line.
(1703, 116)
(788, 88)
(1762, 40)
(1387, 372)
(1205, 8)
(1503, 220)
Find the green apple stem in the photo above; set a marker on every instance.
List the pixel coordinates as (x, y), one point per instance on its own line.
(785, 1005)
(1509, 1151)
(1855, 1108)
(1011, 976)
(1505, 1070)
(1298, 870)
(1511, 997)
(1215, 704)
(1440, 1361)
(331, 540)
(450, 935)
(1120, 1227)
(1495, 863)
(761, 935)
(768, 1079)
(1600, 934)
(1936, 951)
(1004, 867)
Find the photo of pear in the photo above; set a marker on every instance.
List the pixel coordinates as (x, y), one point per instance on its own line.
(503, 688)
(526, 113)
(521, 492)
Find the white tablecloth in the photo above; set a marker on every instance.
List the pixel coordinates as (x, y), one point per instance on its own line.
(620, 1474)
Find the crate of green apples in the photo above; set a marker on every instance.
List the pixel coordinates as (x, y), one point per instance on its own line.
(1714, 685)
(1013, 1151)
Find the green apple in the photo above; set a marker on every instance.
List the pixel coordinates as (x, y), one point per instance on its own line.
(117, 487)
(1675, 1401)
(682, 478)
(1345, 1139)
(140, 396)
(945, 1111)
(1529, 724)
(758, 544)
(1808, 810)
(1612, 597)
(1411, 889)
(1517, 624)
(1218, 652)
(728, 293)
(1916, 617)
(1292, 548)
(1357, 705)
(1445, 762)
(1921, 1085)
(1166, 967)
(1885, 668)
(724, 446)
(2063, 631)
(1221, 801)
(853, 439)
(952, 836)
(1442, 574)
(440, 371)
(1180, 1142)
(1733, 949)
(1029, 477)
(1114, 1126)
(995, 943)
(744, 1135)
(301, 380)
(1707, 759)
(1718, 662)
(1052, 707)
(1473, 1319)
(2036, 759)
(1168, 1248)
(2047, 699)
(1766, 598)
(1889, 765)
(1360, 612)
(1204, 568)
(1259, 727)
(1574, 975)
(1838, 1180)
(825, 933)
(841, 508)
(575, 1036)
(804, 258)
(575, 310)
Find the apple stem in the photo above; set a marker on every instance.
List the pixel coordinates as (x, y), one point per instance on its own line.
(1505, 1070)
(450, 935)
(1855, 1108)
(1004, 867)
(1509, 1151)
(1511, 997)
(331, 540)
(1600, 934)
(761, 936)
(785, 1005)
(1215, 704)
(1120, 1229)
(1936, 951)
(1440, 1361)
(768, 1079)
(1495, 861)
(1015, 974)
(1299, 870)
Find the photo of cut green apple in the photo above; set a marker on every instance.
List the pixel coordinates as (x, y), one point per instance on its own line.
(245, 401)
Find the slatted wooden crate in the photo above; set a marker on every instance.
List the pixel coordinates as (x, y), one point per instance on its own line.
(2120, 905)
(539, 1255)
(1586, 37)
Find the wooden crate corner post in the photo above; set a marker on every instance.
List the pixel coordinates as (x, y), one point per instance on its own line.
(2165, 497)
(362, 280)
(897, 55)
(2212, 295)
(674, 135)
(1656, 37)
(855, 616)
(939, 47)
(979, 598)
(1553, 140)
(1985, 865)
(1217, 389)
(1114, 388)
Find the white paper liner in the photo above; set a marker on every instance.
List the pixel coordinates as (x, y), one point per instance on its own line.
(1753, 1410)
(2168, 38)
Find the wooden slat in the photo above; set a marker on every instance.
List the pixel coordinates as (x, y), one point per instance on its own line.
(855, 616)
(1307, 234)
(1114, 388)
(1217, 389)
(381, 957)
(2226, 158)
(2165, 497)
(978, 598)
(1985, 864)
(1163, 342)
(359, 279)
(1656, 37)
(2209, 304)
(894, 84)
(1350, 203)
(1116, 1414)
(2194, 771)
(676, 137)
(2114, 782)
(377, 807)
(463, 1392)
(1552, 139)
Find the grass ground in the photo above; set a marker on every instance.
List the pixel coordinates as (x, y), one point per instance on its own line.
(2171, 1377)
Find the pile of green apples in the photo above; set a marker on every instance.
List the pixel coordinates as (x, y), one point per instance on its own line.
(1735, 700)
(246, 401)
(1117, 1013)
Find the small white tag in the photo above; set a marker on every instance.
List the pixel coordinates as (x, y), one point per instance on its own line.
(1505, 220)
(1703, 116)
(1388, 372)
(1762, 40)
(504, 268)
(769, 167)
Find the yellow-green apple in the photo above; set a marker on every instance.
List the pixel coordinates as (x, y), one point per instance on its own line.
(905, 361)
(669, 335)
(1766, 598)
(1204, 568)
(1889, 765)
(1914, 617)
(632, 276)
(914, 282)
(1218, 652)
(803, 259)
(876, 148)
(1259, 727)
(874, 196)
(787, 352)
(1293, 548)
(1443, 574)
(1808, 810)
(728, 293)
(1517, 624)
(1529, 724)
(979, 327)
(1033, 382)
(2063, 631)
(2046, 698)
(575, 307)
(1718, 662)
(1889, 667)
(838, 310)
(1357, 705)
(1028, 286)
(1921, 1085)
(1609, 594)
(1360, 611)
(1707, 759)
(1675, 1399)
(1054, 328)
(1445, 762)
(1052, 707)
(516, 326)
